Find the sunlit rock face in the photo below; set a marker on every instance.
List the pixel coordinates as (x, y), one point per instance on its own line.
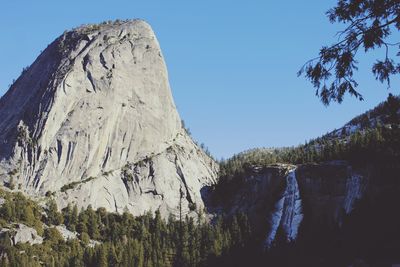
(93, 121)
(20, 233)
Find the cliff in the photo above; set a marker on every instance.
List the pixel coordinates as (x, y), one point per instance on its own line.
(92, 121)
(281, 198)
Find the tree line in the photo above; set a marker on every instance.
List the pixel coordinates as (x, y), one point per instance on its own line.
(376, 145)
(122, 239)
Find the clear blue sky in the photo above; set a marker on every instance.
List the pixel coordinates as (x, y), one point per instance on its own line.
(232, 64)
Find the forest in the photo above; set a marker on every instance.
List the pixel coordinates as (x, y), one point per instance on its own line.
(122, 239)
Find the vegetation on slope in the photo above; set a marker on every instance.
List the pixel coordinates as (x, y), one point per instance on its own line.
(123, 240)
(375, 141)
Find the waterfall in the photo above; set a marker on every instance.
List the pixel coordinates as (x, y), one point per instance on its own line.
(354, 191)
(287, 212)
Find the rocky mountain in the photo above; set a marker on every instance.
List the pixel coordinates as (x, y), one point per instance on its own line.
(92, 121)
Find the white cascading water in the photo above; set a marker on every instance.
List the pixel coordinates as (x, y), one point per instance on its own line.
(354, 191)
(287, 212)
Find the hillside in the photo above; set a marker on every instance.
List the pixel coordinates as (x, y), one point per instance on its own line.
(33, 234)
(335, 197)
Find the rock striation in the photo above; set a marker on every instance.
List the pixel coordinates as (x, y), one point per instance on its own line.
(92, 121)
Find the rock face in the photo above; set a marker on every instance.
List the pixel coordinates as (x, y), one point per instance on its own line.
(65, 233)
(331, 189)
(93, 121)
(25, 234)
(20, 233)
(280, 198)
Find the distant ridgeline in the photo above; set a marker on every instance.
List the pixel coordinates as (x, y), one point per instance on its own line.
(373, 137)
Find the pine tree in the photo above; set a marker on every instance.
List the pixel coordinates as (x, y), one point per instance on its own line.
(7, 210)
(66, 212)
(93, 223)
(235, 231)
(53, 215)
(28, 216)
(112, 256)
(102, 254)
(74, 218)
(82, 222)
